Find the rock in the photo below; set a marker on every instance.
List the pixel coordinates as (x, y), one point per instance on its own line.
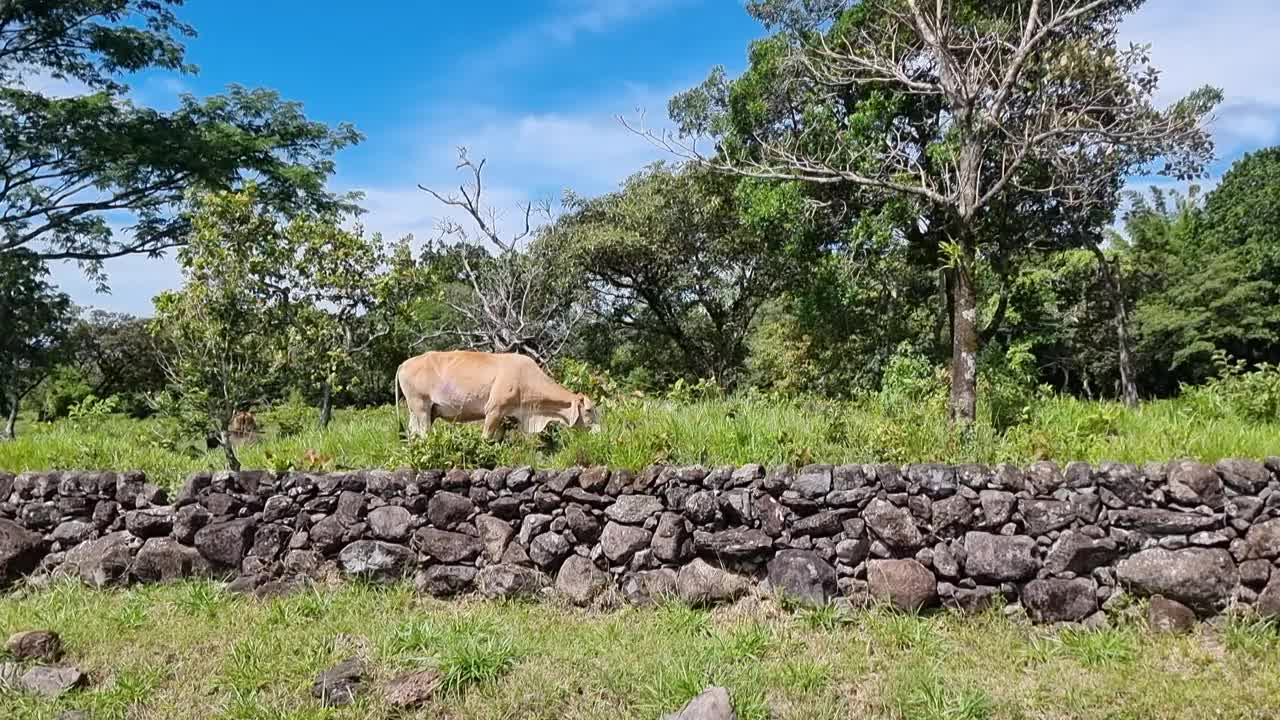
(951, 516)
(712, 704)
(1055, 600)
(447, 547)
(905, 584)
(327, 535)
(224, 544)
(822, 524)
(494, 535)
(977, 599)
(1162, 522)
(412, 689)
(999, 558)
(20, 551)
(102, 562)
(1246, 477)
(509, 581)
(853, 552)
(893, 525)
(165, 559)
(1268, 603)
(802, 575)
(934, 480)
(548, 550)
(773, 517)
(813, 481)
(445, 580)
(187, 522)
(270, 540)
(733, 544)
(447, 509)
(701, 507)
(51, 682)
(672, 542)
(699, 583)
(532, 526)
(738, 507)
(1192, 483)
(1080, 554)
(1263, 540)
(620, 542)
(1255, 573)
(39, 645)
(390, 522)
(73, 532)
(339, 685)
(633, 509)
(150, 522)
(376, 560)
(997, 507)
(581, 581)
(585, 528)
(648, 587)
(1045, 477)
(1043, 516)
(1201, 578)
(1169, 616)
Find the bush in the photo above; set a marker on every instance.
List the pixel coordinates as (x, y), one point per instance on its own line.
(448, 445)
(912, 384)
(292, 417)
(1237, 391)
(1008, 385)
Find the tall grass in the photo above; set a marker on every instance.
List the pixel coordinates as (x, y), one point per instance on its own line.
(711, 432)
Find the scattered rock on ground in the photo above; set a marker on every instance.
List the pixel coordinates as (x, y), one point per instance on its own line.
(1170, 616)
(38, 645)
(412, 689)
(339, 685)
(52, 681)
(713, 704)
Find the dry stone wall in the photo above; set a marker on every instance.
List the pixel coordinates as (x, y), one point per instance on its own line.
(1061, 541)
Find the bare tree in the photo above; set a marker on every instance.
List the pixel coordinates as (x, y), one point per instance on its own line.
(1031, 96)
(516, 299)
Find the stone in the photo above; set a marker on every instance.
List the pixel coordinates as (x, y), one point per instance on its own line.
(50, 682)
(1124, 481)
(187, 522)
(633, 509)
(1045, 477)
(412, 689)
(376, 560)
(339, 685)
(327, 535)
(105, 512)
(712, 704)
(1169, 616)
(1042, 516)
(773, 517)
(150, 522)
(905, 584)
(390, 522)
(447, 509)
(945, 562)
(39, 645)
(738, 507)
(700, 583)
(1058, 600)
(620, 542)
(581, 581)
(509, 581)
(822, 524)
(270, 540)
(853, 552)
(1200, 578)
(649, 587)
(102, 562)
(671, 542)
(934, 480)
(738, 543)
(166, 559)
(1263, 540)
(802, 575)
(813, 481)
(20, 551)
(224, 544)
(447, 547)
(585, 527)
(997, 507)
(549, 549)
(495, 533)
(1246, 477)
(1078, 553)
(594, 479)
(532, 526)
(1162, 522)
(1255, 573)
(951, 516)
(1268, 602)
(1192, 483)
(445, 580)
(893, 525)
(999, 558)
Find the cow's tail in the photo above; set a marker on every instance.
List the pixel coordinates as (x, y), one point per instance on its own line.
(395, 396)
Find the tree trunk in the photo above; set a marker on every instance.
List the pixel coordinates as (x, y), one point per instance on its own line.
(11, 422)
(964, 344)
(1128, 386)
(326, 404)
(233, 462)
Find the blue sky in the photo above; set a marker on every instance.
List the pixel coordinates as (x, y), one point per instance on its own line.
(536, 87)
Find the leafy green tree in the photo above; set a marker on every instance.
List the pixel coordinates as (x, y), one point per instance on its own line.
(71, 163)
(35, 321)
(963, 108)
(117, 356)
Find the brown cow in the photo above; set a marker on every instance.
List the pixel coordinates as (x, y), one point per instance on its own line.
(464, 386)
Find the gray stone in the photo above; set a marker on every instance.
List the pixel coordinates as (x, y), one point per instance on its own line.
(822, 524)
(701, 507)
(802, 575)
(531, 527)
(712, 704)
(934, 480)
(904, 584)
(1169, 616)
(412, 689)
(1122, 480)
(224, 544)
(999, 558)
(1055, 600)
(1255, 573)
(733, 544)
(73, 532)
(447, 509)
(50, 682)
(951, 516)
(813, 481)
(620, 542)
(773, 517)
(581, 581)
(548, 550)
(495, 533)
(853, 552)
(633, 509)
(376, 560)
(102, 562)
(510, 581)
(945, 563)
(150, 522)
(893, 525)
(1201, 578)
(1045, 477)
(1263, 540)
(390, 522)
(270, 540)
(39, 645)
(20, 551)
(585, 528)
(445, 580)
(1076, 552)
(1042, 516)
(997, 507)
(339, 685)
(699, 583)
(738, 507)
(165, 559)
(187, 522)
(1162, 522)
(1192, 483)
(1246, 477)
(649, 587)
(447, 547)
(672, 542)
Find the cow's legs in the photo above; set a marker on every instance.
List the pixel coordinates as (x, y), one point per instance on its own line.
(419, 418)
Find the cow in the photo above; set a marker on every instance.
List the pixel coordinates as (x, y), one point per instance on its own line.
(465, 386)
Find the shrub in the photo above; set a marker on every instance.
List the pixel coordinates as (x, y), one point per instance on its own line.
(911, 384)
(448, 445)
(291, 417)
(1237, 391)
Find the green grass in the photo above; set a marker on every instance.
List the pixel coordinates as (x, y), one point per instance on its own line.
(639, 432)
(168, 651)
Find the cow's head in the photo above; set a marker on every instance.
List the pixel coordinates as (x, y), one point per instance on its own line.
(585, 413)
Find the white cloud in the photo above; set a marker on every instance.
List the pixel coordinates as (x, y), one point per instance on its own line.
(571, 20)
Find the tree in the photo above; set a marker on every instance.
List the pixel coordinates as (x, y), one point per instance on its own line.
(117, 356)
(517, 300)
(72, 165)
(689, 258)
(963, 107)
(35, 321)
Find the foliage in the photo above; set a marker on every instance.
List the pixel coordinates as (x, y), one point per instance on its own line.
(35, 320)
(448, 446)
(1237, 391)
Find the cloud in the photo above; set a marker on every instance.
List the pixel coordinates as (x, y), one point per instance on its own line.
(564, 26)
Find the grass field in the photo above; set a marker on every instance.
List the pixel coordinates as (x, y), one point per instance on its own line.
(191, 651)
(638, 432)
